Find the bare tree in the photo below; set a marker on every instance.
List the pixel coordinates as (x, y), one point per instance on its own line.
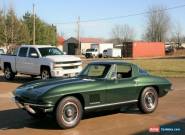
(122, 33)
(177, 35)
(157, 24)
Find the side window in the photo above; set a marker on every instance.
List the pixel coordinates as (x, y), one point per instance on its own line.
(23, 51)
(32, 53)
(124, 71)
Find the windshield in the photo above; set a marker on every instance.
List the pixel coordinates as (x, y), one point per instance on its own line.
(90, 50)
(95, 71)
(48, 51)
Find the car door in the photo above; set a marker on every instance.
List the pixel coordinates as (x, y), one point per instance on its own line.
(122, 88)
(21, 61)
(33, 61)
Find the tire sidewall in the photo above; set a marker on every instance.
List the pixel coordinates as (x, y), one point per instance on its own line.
(142, 104)
(11, 73)
(48, 72)
(59, 111)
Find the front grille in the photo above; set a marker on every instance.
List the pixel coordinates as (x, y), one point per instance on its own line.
(68, 62)
(70, 67)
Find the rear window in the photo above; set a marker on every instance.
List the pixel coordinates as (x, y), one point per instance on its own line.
(142, 71)
(23, 51)
(124, 71)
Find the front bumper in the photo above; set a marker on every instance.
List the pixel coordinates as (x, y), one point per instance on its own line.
(66, 73)
(33, 108)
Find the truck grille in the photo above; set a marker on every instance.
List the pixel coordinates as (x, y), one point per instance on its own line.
(70, 67)
(68, 62)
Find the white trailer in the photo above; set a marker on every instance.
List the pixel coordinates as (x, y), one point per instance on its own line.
(112, 52)
(101, 47)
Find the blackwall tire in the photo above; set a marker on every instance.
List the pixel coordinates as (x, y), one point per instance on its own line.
(8, 73)
(69, 112)
(45, 74)
(148, 100)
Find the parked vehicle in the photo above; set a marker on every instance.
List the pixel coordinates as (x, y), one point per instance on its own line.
(40, 60)
(112, 52)
(96, 50)
(2, 51)
(90, 53)
(101, 85)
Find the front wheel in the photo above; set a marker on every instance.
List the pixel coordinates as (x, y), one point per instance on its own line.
(45, 74)
(148, 100)
(69, 112)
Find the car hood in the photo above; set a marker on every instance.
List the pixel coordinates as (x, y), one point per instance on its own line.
(59, 58)
(37, 88)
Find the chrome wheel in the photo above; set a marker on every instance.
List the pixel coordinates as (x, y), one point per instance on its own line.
(150, 100)
(70, 113)
(45, 75)
(7, 73)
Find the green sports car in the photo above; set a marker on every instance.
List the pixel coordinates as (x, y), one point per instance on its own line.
(101, 85)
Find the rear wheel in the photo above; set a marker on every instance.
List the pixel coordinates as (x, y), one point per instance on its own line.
(8, 73)
(69, 112)
(148, 100)
(45, 74)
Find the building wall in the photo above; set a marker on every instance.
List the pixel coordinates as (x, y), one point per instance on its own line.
(148, 49)
(85, 46)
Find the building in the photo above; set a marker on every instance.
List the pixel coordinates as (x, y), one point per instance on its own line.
(139, 49)
(60, 42)
(71, 45)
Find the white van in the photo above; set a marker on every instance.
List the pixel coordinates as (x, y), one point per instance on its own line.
(112, 52)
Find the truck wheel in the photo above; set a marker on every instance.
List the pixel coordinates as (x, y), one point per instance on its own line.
(8, 73)
(69, 112)
(45, 74)
(148, 100)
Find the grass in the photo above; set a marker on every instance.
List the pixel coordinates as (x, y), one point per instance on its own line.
(162, 67)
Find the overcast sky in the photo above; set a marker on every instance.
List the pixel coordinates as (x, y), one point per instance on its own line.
(61, 11)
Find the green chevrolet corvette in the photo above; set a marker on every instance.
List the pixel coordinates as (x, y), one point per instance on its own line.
(101, 85)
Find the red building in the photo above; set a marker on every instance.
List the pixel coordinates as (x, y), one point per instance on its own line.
(143, 49)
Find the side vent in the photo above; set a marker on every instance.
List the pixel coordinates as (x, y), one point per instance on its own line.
(94, 99)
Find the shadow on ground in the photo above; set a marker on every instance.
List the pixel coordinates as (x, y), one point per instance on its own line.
(17, 119)
(19, 79)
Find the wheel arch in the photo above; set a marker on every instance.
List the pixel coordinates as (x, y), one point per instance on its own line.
(154, 86)
(44, 67)
(76, 95)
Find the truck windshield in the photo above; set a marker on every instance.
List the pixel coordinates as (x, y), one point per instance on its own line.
(48, 51)
(90, 50)
(95, 71)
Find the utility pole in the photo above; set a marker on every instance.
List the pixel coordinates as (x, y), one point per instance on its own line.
(5, 29)
(33, 24)
(78, 36)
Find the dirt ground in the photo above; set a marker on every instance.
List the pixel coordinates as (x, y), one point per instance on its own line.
(170, 113)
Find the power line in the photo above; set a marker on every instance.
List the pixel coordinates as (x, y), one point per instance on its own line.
(119, 17)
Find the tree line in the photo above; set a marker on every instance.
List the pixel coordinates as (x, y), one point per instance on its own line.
(17, 31)
(158, 27)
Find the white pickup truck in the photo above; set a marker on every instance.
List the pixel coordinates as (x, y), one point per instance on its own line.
(40, 60)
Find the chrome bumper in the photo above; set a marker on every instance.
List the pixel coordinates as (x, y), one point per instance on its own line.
(29, 106)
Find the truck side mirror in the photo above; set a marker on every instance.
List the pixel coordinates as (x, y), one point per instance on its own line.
(34, 55)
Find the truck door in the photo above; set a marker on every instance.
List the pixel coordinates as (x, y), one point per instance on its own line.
(33, 61)
(21, 60)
